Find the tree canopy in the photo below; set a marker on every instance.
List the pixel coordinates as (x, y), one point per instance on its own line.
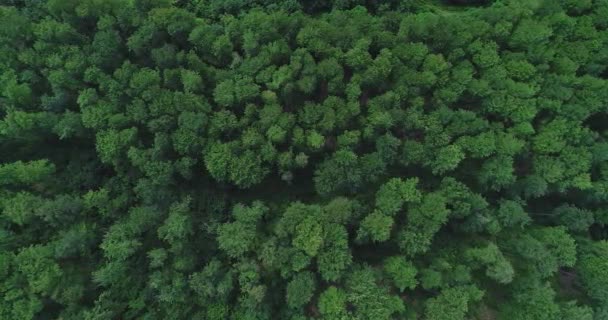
(337, 160)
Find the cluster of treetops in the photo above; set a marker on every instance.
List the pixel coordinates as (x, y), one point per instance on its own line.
(334, 160)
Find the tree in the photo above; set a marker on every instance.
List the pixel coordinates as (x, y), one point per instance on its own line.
(238, 237)
(574, 218)
(332, 303)
(511, 214)
(341, 172)
(178, 226)
(370, 300)
(235, 91)
(394, 193)
(592, 266)
(308, 236)
(26, 173)
(38, 268)
(225, 165)
(335, 258)
(300, 289)
(533, 303)
(497, 266)
(447, 159)
(529, 33)
(452, 303)
(424, 221)
(571, 310)
(376, 226)
(402, 272)
(112, 144)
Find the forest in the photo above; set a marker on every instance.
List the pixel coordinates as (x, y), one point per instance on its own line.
(304, 159)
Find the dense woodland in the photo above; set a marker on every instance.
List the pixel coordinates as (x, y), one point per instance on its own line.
(336, 160)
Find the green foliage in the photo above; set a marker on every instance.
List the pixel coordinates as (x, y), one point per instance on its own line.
(393, 194)
(402, 272)
(261, 159)
(452, 303)
(424, 220)
(533, 303)
(332, 303)
(592, 266)
(376, 226)
(25, 173)
(38, 268)
(342, 172)
(300, 289)
(238, 237)
(447, 159)
(308, 236)
(497, 266)
(572, 311)
(228, 93)
(370, 300)
(224, 163)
